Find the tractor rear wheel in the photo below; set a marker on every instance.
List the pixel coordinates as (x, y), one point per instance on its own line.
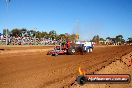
(88, 50)
(71, 51)
(91, 50)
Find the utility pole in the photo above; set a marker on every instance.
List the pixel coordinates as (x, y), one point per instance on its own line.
(7, 7)
(35, 35)
(6, 37)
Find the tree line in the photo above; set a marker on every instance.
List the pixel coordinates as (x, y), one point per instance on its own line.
(53, 35)
(116, 39)
(33, 33)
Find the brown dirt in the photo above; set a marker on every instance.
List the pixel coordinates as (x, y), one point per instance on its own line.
(37, 70)
(24, 47)
(120, 66)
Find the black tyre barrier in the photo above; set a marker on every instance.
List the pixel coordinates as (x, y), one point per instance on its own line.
(81, 80)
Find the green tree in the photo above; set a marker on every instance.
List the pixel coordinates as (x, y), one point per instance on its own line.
(23, 30)
(52, 34)
(62, 36)
(38, 34)
(16, 32)
(119, 38)
(72, 37)
(101, 39)
(4, 31)
(108, 38)
(44, 35)
(96, 39)
(129, 39)
(32, 33)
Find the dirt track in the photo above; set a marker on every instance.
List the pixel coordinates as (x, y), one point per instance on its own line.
(37, 70)
(120, 66)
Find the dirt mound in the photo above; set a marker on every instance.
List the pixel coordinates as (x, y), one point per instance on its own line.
(120, 66)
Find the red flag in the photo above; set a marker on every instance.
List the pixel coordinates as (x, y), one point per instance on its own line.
(130, 63)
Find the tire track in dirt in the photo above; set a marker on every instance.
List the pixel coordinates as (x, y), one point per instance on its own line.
(96, 66)
(120, 66)
(41, 71)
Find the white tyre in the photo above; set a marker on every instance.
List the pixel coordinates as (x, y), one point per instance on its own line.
(91, 50)
(73, 51)
(88, 50)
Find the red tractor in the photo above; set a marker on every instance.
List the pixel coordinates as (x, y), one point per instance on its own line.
(71, 48)
(63, 49)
